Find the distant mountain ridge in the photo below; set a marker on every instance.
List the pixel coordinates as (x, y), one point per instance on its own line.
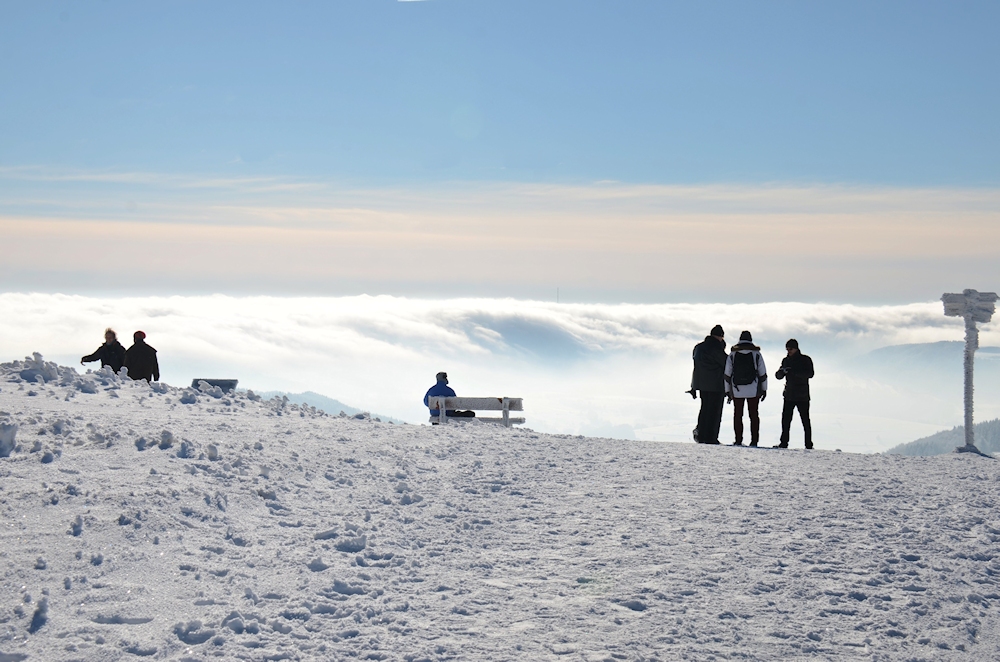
(987, 440)
(327, 404)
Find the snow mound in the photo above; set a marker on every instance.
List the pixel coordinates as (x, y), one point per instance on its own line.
(234, 527)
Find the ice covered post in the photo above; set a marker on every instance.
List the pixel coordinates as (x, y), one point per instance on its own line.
(974, 307)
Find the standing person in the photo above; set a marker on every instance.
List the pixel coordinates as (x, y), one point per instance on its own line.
(441, 388)
(140, 359)
(746, 381)
(798, 368)
(708, 380)
(111, 353)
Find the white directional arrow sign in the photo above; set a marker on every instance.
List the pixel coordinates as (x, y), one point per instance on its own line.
(974, 307)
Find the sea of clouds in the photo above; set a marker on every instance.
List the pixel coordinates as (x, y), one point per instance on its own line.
(593, 369)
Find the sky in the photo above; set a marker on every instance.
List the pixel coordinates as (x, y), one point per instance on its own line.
(617, 151)
(451, 161)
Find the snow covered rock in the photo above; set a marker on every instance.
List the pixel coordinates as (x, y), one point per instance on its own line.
(8, 435)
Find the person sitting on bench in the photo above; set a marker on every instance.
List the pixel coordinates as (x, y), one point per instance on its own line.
(442, 389)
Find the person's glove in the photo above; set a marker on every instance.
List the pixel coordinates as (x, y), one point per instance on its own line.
(763, 394)
(694, 394)
(729, 399)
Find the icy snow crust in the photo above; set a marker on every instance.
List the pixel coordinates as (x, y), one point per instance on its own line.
(137, 526)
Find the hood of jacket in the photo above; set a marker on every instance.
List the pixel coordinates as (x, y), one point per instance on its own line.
(745, 347)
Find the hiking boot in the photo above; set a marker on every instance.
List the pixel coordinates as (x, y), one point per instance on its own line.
(809, 447)
(754, 444)
(783, 444)
(694, 434)
(737, 443)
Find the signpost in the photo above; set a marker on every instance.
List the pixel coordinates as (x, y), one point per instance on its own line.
(974, 307)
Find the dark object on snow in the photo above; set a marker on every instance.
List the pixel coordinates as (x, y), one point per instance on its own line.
(109, 354)
(227, 385)
(140, 359)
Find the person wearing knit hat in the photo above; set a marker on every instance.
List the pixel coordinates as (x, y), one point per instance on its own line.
(140, 359)
(746, 382)
(708, 381)
(796, 369)
(442, 389)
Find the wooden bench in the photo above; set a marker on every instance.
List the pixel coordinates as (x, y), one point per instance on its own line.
(505, 405)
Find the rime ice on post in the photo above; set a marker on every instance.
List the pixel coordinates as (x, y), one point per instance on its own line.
(974, 307)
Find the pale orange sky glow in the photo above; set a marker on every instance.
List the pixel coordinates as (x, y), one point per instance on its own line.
(602, 241)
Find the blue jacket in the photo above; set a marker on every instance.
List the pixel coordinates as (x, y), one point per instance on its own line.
(441, 388)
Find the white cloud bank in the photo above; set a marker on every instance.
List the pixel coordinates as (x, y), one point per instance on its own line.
(595, 369)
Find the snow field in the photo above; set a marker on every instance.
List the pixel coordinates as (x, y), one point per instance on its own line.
(165, 523)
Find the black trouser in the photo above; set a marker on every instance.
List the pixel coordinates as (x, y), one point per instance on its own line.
(786, 420)
(752, 408)
(710, 416)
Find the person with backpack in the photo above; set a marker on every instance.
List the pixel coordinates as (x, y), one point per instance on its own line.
(140, 359)
(708, 380)
(111, 353)
(798, 368)
(746, 381)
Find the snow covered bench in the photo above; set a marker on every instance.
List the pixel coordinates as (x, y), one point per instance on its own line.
(505, 405)
(227, 385)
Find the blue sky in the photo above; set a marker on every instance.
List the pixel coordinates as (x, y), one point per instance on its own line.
(125, 112)
(374, 91)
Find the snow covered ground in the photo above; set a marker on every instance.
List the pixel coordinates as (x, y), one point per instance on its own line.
(154, 522)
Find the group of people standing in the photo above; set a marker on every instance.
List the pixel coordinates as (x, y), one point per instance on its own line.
(139, 359)
(740, 377)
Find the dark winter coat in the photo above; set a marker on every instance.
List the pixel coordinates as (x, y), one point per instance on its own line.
(109, 354)
(439, 389)
(709, 366)
(140, 359)
(798, 368)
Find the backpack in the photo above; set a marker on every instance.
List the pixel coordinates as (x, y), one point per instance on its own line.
(744, 368)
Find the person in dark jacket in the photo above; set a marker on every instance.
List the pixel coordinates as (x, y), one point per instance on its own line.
(708, 381)
(441, 388)
(796, 369)
(111, 353)
(140, 359)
